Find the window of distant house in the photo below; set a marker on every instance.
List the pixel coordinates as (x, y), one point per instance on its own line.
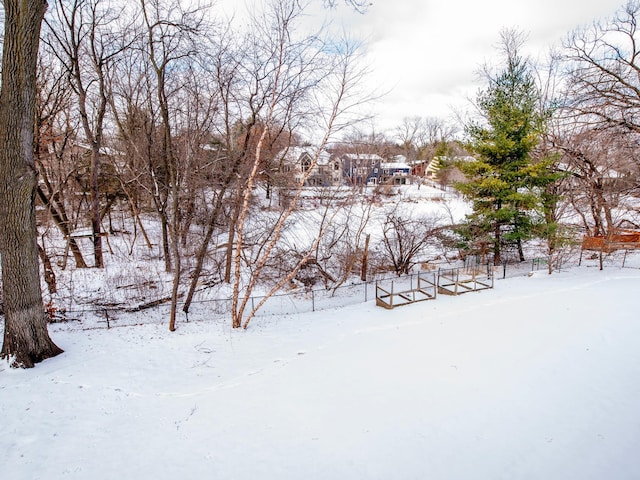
(336, 166)
(286, 168)
(306, 165)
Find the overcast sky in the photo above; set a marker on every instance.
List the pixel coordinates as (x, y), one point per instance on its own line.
(426, 53)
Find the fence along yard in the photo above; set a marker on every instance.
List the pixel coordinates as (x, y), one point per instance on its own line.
(617, 239)
(84, 313)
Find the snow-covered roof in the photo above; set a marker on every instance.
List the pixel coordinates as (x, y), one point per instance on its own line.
(603, 171)
(395, 165)
(293, 154)
(363, 156)
(104, 150)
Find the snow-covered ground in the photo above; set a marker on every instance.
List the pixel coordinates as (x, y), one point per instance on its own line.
(538, 378)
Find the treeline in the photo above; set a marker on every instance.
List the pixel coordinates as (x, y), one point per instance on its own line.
(166, 110)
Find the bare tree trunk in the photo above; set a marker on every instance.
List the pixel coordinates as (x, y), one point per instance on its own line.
(82, 37)
(95, 209)
(175, 251)
(365, 256)
(164, 224)
(26, 338)
(232, 231)
(202, 251)
(49, 274)
(187, 218)
(165, 46)
(520, 250)
(61, 221)
(496, 245)
(200, 256)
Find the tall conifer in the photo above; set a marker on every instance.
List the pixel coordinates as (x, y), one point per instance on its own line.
(501, 181)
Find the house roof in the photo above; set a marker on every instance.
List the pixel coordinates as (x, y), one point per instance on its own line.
(362, 156)
(604, 171)
(395, 165)
(104, 150)
(293, 155)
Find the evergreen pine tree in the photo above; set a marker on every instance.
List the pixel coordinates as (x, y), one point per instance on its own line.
(502, 182)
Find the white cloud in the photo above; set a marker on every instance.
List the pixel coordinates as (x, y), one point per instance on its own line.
(428, 53)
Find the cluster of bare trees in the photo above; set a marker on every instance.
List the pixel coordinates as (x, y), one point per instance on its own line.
(595, 130)
(156, 104)
(163, 108)
(158, 107)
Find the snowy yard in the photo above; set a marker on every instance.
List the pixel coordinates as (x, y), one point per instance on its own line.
(538, 378)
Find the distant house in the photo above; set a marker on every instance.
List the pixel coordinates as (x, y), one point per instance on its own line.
(310, 166)
(426, 168)
(433, 168)
(393, 173)
(361, 168)
(81, 148)
(110, 158)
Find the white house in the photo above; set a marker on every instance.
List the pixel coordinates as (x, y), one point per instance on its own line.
(393, 173)
(314, 165)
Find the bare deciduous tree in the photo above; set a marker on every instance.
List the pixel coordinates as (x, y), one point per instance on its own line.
(171, 37)
(599, 124)
(26, 339)
(604, 71)
(405, 239)
(421, 137)
(87, 42)
(53, 135)
(601, 175)
(303, 81)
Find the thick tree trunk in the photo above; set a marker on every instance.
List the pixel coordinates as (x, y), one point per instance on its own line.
(26, 339)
